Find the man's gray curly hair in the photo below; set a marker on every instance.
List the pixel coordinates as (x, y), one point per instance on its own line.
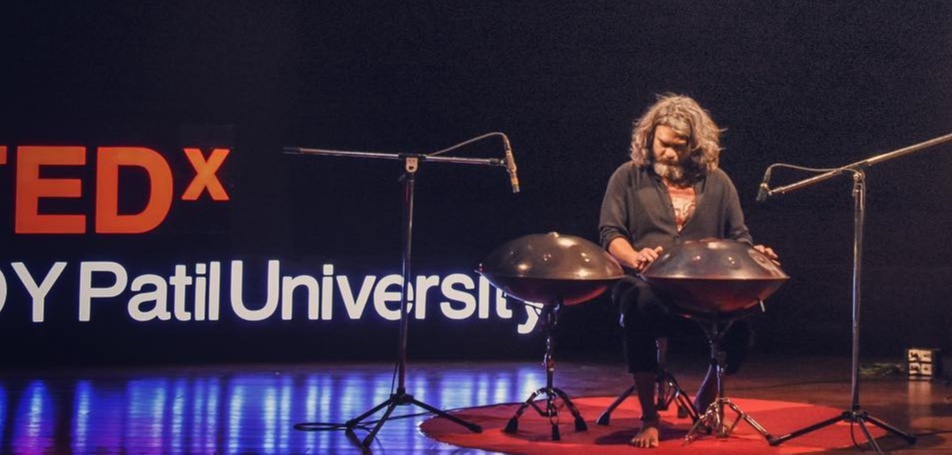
(685, 116)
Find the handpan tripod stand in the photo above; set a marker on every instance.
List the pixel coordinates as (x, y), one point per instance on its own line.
(855, 414)
(411, 164)
(716, 282)
(554, 270)
(713, 417)
(548, 318)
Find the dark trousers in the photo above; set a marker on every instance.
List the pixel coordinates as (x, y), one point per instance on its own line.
(647, 315)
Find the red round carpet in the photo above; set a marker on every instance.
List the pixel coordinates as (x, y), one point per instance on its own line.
(534, 435)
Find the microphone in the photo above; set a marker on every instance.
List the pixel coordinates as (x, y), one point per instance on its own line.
(764, 189)
(511, 165)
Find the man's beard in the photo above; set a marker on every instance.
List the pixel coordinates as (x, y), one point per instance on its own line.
(673, 173)
(676, 173)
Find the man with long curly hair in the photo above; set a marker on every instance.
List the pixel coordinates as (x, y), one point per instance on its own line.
(671, 190)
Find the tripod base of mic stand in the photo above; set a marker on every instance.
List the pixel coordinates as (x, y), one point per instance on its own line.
(713, 422)
(551, 411)
(858, 417)
(401, 399)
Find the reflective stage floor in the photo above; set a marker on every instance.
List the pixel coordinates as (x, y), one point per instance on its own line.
(253, 408)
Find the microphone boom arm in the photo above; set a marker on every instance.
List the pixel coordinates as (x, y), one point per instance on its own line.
(395, 156)
(858, 166)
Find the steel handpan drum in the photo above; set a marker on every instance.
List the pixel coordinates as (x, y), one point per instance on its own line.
(551, 268)
(713, 276)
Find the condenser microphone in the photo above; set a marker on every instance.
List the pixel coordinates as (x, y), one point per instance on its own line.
(764, 189)
(511, 166)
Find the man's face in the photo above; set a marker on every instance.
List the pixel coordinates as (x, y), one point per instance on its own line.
(670, 153)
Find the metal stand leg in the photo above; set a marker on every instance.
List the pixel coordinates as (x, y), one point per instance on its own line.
(550, 392)
(399, 399)
(675, 394)
(606, 416)
(858, 417)
(713, 421)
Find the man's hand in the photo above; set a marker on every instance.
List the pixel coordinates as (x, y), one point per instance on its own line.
(767, 251)
(645, 257)
(626, 255)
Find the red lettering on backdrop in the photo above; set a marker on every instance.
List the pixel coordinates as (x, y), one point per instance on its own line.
(30, 188)
(108, 219)
(205, 174)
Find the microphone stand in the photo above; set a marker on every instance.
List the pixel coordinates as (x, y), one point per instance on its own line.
(855, 414)
(411, 164)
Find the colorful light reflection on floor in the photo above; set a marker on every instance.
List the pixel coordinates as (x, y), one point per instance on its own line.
(234, 412)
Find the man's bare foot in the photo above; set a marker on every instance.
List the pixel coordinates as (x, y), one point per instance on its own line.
(647, 436)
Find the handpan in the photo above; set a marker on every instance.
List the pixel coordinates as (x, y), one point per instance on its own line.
(551, 268)
(714, 276)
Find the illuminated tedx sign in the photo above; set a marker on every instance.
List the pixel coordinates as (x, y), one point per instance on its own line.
(202, 291)
(31, 188)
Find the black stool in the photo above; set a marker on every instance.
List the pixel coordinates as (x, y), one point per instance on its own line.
(668, 391)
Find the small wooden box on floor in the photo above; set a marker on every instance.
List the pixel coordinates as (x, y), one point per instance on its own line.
(924, 363)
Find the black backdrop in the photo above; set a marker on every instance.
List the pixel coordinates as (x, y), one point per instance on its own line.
(810, 83)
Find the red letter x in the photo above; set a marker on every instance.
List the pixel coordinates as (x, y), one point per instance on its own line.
(205, 175)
